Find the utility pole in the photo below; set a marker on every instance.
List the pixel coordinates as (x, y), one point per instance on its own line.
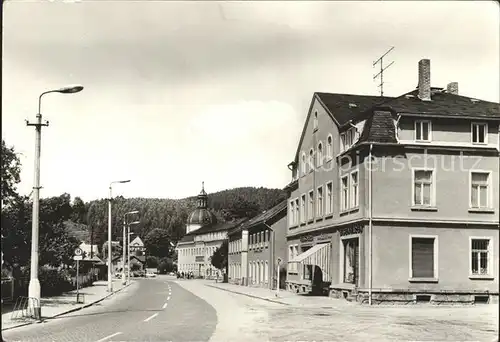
(382, 69)
(34, 285)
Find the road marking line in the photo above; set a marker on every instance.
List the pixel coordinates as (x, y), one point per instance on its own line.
(164, 305)
(108, 337)
(151, 317)
(168, 298)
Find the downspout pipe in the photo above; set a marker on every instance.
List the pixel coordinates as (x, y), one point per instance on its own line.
(370, 228)
(272, 248)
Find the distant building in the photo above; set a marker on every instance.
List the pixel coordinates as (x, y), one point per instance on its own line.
(422, 222)
(137, 247)
(89, 249)
(256, 245)
(203, 236)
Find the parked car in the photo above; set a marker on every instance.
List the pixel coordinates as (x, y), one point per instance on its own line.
(150, 274)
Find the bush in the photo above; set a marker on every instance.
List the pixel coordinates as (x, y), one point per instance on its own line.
(54, 282)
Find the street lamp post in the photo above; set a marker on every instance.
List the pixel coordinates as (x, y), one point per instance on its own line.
(128, 250)
(34, 284)
(124, 242)
(110, 281)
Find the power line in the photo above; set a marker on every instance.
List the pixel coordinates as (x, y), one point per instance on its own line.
(382, 69)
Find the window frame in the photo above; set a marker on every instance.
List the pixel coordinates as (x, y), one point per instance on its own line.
(329, 208)
(329, 147)
(477, 123)
(319, 154)
(433, 187)
(320, 206)
(351, 188)
(310, 201)
(310, 160)
(302, 208)
(342, 188)
(315, 121)
(415, 130)
(491, 258)
(434, 279)
(489, 192)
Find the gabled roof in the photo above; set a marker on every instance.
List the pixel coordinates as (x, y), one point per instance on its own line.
(262, 217)
(445, 104)
(137, 242)
(220, 226)
(380, 128)
(342, 108)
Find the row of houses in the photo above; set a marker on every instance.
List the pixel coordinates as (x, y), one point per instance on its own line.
(392, 199)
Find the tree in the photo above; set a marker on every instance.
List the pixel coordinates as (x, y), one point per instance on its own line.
(241, 208)
(152, 261)
(166, 265)
(10, 172)
(157, 243)
(79, 211)
(219, 258)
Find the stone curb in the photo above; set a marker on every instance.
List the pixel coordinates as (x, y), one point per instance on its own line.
(67, 312)
(248, 295)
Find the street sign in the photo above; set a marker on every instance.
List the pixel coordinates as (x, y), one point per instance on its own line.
(78, 251)
(78, 257)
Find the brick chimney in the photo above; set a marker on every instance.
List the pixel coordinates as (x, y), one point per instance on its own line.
(424, 79)
(452, 88)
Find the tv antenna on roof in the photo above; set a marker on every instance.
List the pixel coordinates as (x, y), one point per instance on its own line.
(382, 69)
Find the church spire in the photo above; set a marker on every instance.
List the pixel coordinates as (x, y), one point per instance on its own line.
(202, 197)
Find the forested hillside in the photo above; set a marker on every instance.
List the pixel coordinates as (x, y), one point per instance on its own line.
(171, 215)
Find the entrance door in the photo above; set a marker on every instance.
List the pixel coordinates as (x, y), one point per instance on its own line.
(351, 261)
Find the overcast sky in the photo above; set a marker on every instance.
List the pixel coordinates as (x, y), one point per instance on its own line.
(177, 93)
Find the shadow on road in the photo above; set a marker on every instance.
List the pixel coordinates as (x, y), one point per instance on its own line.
(106, 313)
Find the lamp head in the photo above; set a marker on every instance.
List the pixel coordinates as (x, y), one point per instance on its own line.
(124, 181)
(135, 222)
(70, 89)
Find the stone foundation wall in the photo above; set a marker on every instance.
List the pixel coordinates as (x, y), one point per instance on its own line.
(407, 298)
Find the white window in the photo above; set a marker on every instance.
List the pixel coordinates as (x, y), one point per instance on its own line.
(310, 205)
(422, 130)
(297, 211)
(344, 193)
(319, 155)
(481, 256)
(266, 272)
(329, 198)
(354, 190)
(303, 208)
(423, 257)
(290, 257)
(319, 202)
(423, 188)
(303, 164)
(479, 133)
(329, 147)
(311, 160)
(343, 142)
(480, 190)
(348, 139)
(315, 120)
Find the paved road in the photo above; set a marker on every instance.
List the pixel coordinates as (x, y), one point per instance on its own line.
(149, 310)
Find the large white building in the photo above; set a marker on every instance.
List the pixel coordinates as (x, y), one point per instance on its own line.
(204, 234)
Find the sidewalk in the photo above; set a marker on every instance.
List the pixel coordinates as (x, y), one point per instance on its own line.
(65, 303)
(283, 297)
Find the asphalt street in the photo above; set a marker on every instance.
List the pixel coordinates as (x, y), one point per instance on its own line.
(149, 310)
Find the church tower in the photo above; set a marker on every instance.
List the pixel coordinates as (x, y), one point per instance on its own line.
(201, 216)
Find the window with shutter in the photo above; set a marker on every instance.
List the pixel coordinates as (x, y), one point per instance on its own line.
(422, 257)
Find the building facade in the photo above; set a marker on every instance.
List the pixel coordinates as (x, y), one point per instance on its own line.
(203, 236)
(255, 248)
(396, 199)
